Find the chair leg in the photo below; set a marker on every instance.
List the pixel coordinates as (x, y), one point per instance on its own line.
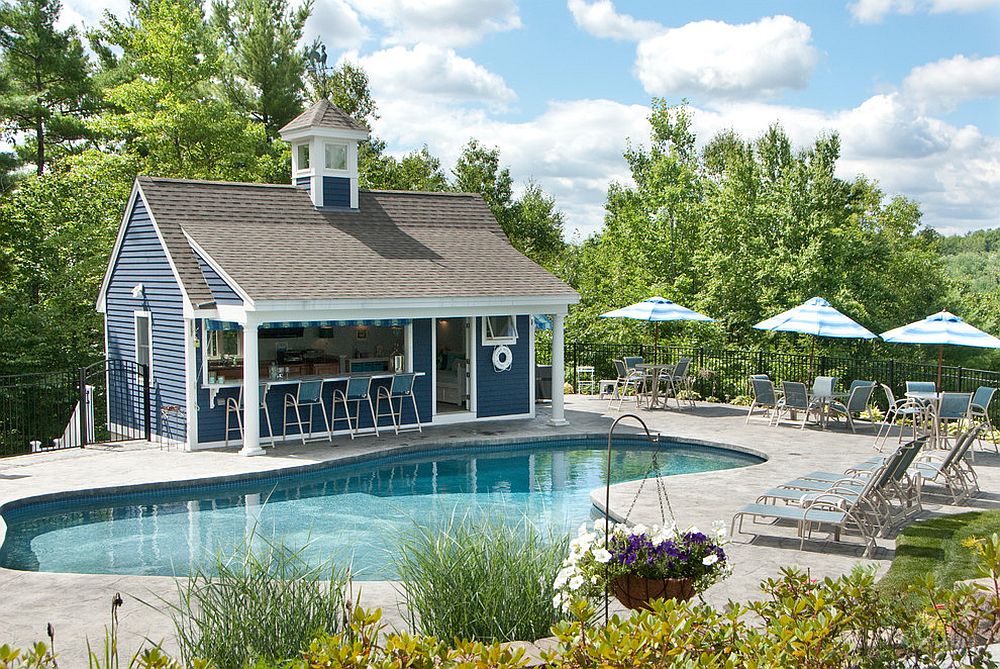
(298, 417)
(371, 410)
(416, 412)
(267, 421)
(326, 421)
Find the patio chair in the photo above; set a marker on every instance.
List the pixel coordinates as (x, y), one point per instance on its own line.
(902, 409)
(980, 413)
(824, 385)
(764, 396)
(400, 389)
(954, 409)
(357, 392)
(632, 361)
(234, 407)
(921, 387)
(307, 394)
(627, 380)
(857, 403)
(678, 380)
(952, 469)
(794, 398)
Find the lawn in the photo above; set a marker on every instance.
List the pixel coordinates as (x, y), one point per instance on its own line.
(935, 547)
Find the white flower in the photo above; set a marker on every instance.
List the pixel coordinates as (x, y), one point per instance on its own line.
(709, 560)
(557, 600)
(602, 555)
(638, 530)
(719, 527)
(593, 579)
(564, 575)
(576, 582)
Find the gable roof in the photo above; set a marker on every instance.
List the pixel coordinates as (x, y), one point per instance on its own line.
(273, 243)
(323, 114)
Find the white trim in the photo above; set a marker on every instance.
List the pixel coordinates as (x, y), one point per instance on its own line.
(309, 132)
(434, 366)
(445, 307)
(210, 261)
(498, 341)
(408, 346)
(473, 355)
(102, 296)
(136, 315)
(451, 417)
(204, 353)
(532, 366)
(191, 382)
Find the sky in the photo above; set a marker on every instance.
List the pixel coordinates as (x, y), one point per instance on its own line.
(562, 87)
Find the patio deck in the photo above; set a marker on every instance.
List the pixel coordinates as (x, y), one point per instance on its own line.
(78, 605)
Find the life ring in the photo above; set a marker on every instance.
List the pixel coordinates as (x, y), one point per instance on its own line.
(502, 358)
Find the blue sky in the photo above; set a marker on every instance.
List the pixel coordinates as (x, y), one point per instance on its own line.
(560, 86)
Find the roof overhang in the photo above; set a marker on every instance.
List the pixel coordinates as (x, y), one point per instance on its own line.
(324, 133)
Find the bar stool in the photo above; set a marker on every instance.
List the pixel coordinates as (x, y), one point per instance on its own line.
(307, 394)
(359, 389)
(585, 379)
(234, 406)
(400, 388)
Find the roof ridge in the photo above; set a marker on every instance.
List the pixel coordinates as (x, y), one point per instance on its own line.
(208, 182)
(392, 191)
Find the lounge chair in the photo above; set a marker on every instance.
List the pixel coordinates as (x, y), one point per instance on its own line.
(794, 398)
(980, 413)
(764, 396)
(857, 402)
(951, 469)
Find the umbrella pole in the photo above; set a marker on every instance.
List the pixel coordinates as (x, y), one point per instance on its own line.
(656, 343)
(812, 355)
(940, 361)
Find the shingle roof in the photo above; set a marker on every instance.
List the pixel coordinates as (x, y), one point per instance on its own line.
(323, 114)
(276, 245)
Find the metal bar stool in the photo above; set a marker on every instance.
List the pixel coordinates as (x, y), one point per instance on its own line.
(359, 389)
(307, 394)
(400, 388)
(234, 406)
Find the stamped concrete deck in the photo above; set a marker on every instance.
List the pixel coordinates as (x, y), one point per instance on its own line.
(78, 605)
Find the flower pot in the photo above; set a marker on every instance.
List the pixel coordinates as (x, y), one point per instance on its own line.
(636, 592)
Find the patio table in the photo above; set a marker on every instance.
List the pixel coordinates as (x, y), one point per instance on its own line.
(934, 400)
(654, 371)
(825, 400)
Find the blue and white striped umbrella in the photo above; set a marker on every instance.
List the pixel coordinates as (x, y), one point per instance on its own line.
(816, 317)
(657, 310)
(941, 328)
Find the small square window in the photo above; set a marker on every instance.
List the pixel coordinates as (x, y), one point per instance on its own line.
(499, 330)
(303, 150)
(336, 156)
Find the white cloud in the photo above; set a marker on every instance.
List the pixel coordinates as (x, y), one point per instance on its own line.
(337, 24)
(441, 22)
(89, 12)
(602, 20)
(947, 83)
(875, 11)
(720, 59)
(433, 71)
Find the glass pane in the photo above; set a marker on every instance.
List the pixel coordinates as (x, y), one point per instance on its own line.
(498, 327)
(336, 156)
(142, 331)
(230, 342)
(303, 156)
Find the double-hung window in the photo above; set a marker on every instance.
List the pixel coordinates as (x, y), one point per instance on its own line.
(144, 340)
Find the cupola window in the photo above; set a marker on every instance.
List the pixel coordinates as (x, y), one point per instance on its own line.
(336, 156)
(303, 157)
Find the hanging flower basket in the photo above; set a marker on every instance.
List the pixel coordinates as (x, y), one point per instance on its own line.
(636, 592)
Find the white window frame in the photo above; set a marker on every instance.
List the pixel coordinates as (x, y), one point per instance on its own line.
(136, 315)
(299, 169)
(212, 338)
(347, 156)
(490, 339)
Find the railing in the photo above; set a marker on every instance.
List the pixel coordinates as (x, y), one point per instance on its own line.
(723, 373)
(106, 401)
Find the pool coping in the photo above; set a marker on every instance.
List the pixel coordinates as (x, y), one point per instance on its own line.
(347, 460)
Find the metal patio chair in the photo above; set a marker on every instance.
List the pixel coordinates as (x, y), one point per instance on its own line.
(628, 379)
(358, 391)
(794, 398)
(856, 404)
(954, 409)
(400, 389)
(764, 396)
(234, 406)
(980, 413)
(921, 387)
(307, 394)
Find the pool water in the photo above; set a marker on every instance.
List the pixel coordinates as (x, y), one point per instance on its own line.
(348, 514)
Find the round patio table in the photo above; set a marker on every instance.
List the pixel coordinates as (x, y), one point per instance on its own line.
(655, 372)
(934, 400)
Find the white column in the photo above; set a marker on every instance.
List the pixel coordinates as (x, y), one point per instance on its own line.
(558, 371)
(251, 390)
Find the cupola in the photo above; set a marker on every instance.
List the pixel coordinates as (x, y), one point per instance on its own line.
(325, 154)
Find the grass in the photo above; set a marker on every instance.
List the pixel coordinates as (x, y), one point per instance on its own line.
(480, 579)
(934, 547)
(262, 604)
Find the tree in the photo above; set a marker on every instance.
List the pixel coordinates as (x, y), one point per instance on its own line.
(47, 89)
(262, 68)
(539, 229)
(417, 171)
(163, 105)
(478, 171)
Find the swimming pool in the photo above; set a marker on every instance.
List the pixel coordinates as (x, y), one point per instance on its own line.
(345, 513)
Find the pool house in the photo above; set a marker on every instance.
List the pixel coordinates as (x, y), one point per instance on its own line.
(266, 313)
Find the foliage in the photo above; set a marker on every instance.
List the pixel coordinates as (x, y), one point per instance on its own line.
(262, 603)
(597, 559)
(480, 578)
(49, 90)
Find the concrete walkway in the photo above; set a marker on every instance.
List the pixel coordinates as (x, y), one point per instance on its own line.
(78, 605)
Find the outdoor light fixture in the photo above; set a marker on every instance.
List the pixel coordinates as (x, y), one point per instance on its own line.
(138, 290)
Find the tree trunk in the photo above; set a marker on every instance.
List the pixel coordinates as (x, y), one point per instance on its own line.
(39, 122)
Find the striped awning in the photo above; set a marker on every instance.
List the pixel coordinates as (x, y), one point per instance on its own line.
(941, 328)
(816, 317)
(214, 325)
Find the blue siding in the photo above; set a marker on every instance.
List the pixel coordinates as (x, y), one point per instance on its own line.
(504, 393)
(304, 182)
(221, 291)
(142, 259)
(336, 192)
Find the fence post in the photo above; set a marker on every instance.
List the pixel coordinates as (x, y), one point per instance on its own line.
(146, 412)
(82, 393)
(701, 357)
(959, 380)
(892, 374)
(760, 363)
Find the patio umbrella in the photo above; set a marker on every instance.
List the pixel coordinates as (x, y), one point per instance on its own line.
(941, 328)
(657, 310)
(816, 317)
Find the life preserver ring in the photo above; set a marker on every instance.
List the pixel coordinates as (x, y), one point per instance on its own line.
(502, 358)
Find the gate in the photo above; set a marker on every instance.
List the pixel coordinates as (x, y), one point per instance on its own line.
(103, 402)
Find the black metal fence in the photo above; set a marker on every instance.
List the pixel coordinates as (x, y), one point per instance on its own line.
(104, 402)
(723, 373)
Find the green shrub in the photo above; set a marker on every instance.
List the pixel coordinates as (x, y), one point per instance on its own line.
(742, 400)
(480, 579)
(259, 604)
